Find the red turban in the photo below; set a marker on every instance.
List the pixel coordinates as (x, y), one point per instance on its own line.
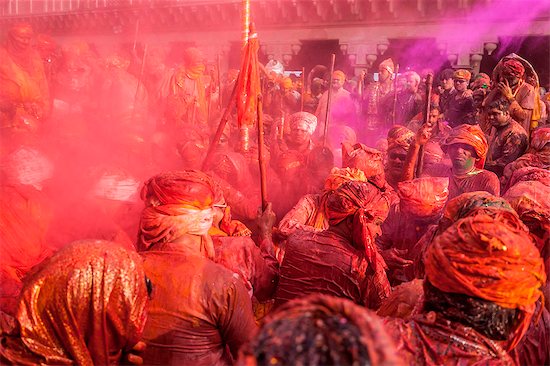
(364, 158)
(539, 138)
(423, 197)
(513, 67)
(368, 206)
(480, 257)
(481, 80)
(530, 200)
(166, 196)
(530, 173)
(473, 136)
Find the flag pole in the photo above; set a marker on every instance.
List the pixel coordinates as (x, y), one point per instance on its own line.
(329, 93)
(261, 155)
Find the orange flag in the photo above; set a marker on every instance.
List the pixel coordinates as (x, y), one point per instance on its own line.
(248, 83)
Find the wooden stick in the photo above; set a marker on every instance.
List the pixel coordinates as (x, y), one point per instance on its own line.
(329, 93)
(302, 92)
(426, 117)
(220, 94)
(261, 161)
(394, 106)
(140, 81)
(221, 127)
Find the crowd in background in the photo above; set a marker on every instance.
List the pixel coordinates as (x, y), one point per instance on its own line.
(408, 219)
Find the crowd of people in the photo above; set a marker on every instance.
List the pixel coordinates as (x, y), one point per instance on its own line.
(407, 222)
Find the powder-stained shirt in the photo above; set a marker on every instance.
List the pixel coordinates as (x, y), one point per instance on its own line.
(198, 308)
(326, 263)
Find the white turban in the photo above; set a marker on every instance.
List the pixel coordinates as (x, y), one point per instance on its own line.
(304, 121)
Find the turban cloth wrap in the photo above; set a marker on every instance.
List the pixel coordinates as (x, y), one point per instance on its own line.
(513, 67)
(338, 74)
(388, 65)
(433, 153)
(368, 205)
(530, 173)
(82, 306)
(400, 137)
(480, 202)
(336, 178)
(304, 121)
(530, 200)
(380, 347)
(164, 196)
(473, 136)
(423, 197)
(462, 74)
(539, 138)
(482, 258)
(367, 159)
(481, 80)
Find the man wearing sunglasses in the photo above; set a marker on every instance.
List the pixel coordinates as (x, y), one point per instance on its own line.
(460, 109)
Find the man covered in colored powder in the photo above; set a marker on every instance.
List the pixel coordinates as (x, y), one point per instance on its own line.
(509, 139)
(510, 83)
(460, 108)
(474, 311)
(467, 147)
(342, 106)
(24, 90)
(343, 260)
(200, 311)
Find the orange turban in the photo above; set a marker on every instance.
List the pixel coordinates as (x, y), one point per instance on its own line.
(462, 74)
(423, 197)
(339, 176)
(338, 74)
(473, 136)
(367, 204)
(166, 196)
(481, 80)
(400, 136)
(480, 257)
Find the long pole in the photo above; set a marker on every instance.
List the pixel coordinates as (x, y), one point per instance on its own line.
(426, 117)
(261, 147)
(303, 91)
(329, 93)
(220, 129)
(220, 94)
(394, 106)
(140, 80)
